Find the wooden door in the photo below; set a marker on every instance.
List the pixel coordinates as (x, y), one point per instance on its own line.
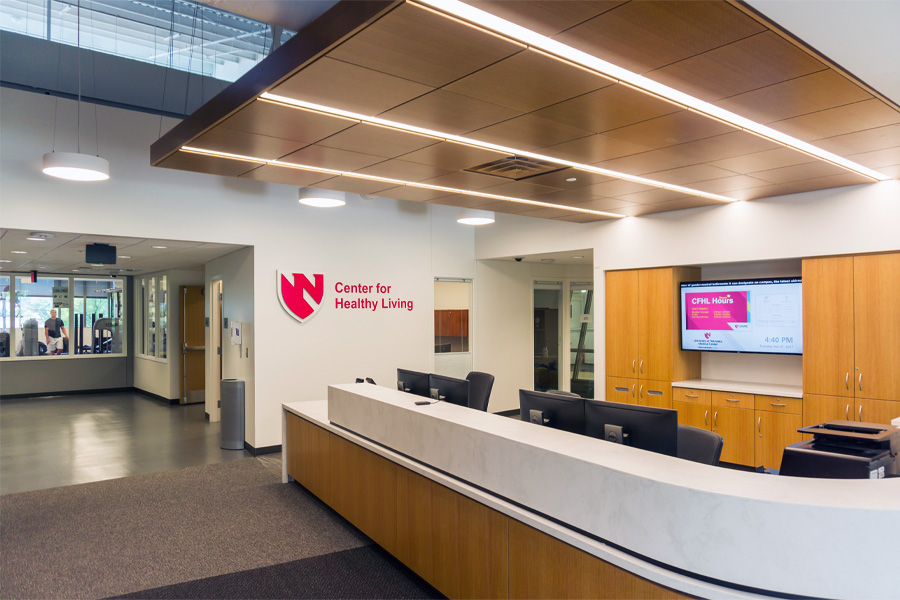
(621, 323)
(654, 393)
(621, 389)
(736, 426)
(819, 409)
(193, 344)
(655, 324)
(869, 410)
(876, 288)
(775, 431)
(828, 339)
(692, 414)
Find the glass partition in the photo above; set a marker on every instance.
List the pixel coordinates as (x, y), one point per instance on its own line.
(581, 339)
(151, 317)
(163, 316)
(5, 317)
(547, 338)
(452, 315)
(99, 322)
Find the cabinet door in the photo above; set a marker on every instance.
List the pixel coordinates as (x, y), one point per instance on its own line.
(876, 288)
(774, 431)
(736, 426)
(819, 409)
(621, 323)
(828, 354)
(692, 414)
(654, 393)
(655, 322)
(876, 411)
(621, 389)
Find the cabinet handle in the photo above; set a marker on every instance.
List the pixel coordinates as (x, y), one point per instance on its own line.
(691, 396)
(860, 413)
(777, 404)
(847, 380)
(847, 410)
(715, 419)
(860, 382)
(642, 368)
(705, 421)
(758, 422)
(632, 390)
(732, 399)
(632, 366)
(642, 391)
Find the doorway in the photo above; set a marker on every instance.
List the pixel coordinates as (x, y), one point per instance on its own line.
(216, 299)
(547, 334)
(193, 345)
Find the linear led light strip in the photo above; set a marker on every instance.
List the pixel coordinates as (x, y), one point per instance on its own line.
(449, 137)
(440, 188)
(535, 41)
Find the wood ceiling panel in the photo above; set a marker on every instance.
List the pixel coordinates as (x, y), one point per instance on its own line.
(558, 213)
(332, 158)
(617, 188)
(187, 161)
(593, 149)
(862, 141)
(879, 158)
(445, 111)
(462, 201)
(646, 35)
(608, 108)
(245, 143)
(807, 94)
(527, 81)
(547, 18)
(574, 217)
(805, 171)
(678, 204)
(686, 175)
(758, 61)
(377, 141)
(455, 157)
(404, 170)
(726, 185)
(765, 160)
(593, 202)
(279, 121)
(557, 179)
(286, 176)
(677, 128)
(354, 185)
(528, 132)
(519, 189)
(506, 207)
(797, 187)
(655, 196)
(349, 87)
(466, 180)
(849, 118)
(420, 46)
(408, 192)
(891, 171)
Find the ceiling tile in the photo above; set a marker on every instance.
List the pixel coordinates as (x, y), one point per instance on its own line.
(669, 130)
(796, 187)
(686, 175)
(862, 141)
(761, 161)
(519, 189)
(748, 64)
(557, 179)
(377, 141)
(592, 149)
(354, 185)
(447, 112)
(527, 81)
(279, 121)
(879, 158)
(799, 172)
(286, 175)
(464, 180)
(641, 36)
(461, 200)
(404, 170)
(332, 158)
(245, 143)
(187, 161)
(452, 156)
(727, 185)
(868, 114)
(510, 208)
(677, 204)
(608, 108)
(654, 196)
(349, 87)
(408, 192)
(528, 132)
(547, 17)
(420, 46)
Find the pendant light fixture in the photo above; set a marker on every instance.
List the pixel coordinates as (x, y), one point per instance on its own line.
(322, 198)
(76, 166)
(474, 216)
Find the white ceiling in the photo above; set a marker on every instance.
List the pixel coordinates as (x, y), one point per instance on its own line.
(64, 253)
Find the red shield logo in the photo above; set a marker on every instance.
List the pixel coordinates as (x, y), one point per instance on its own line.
(299, 296)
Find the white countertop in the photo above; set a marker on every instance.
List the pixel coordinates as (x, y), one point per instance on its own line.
(742, 387)
(814, 537)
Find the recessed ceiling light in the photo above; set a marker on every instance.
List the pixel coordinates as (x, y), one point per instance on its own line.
(539, 43)
(159, 247)
(322, 198)
(571, 179)
(472, 216)
(19, 252)
(123, 256)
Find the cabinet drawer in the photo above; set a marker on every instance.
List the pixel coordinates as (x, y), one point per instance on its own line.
(732, 399)
(793, 406)
(691, 395)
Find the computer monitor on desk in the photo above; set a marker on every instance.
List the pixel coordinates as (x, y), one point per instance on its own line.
(449, 389)
(413, 382)
(644, 427)
(552, 410)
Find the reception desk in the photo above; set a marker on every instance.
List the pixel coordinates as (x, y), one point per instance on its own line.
(672, 526)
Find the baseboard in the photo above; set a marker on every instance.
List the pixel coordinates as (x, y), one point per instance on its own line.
(263, 450)
(508, 413)
(66, 393)
(162, 399)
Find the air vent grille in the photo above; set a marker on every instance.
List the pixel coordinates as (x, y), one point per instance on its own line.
(515, 168)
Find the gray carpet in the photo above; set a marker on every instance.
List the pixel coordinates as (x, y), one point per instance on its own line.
(120, 536)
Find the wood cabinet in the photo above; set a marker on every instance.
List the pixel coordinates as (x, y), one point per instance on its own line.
(818, 409)
(642, 392)
(735, 425)
(775, 431)
(851, 326)
(692, 414)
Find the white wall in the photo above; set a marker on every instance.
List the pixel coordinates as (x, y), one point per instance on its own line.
(827, 222)
(402, 244)
(159, 376)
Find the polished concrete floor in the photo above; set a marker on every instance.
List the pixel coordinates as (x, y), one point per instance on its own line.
(61, 440)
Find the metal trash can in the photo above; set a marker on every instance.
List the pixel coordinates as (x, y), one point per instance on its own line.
(30, 338)
(232, 407)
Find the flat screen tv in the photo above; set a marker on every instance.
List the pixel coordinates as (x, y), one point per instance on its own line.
(760, 316)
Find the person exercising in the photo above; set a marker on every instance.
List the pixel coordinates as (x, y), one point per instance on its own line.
(54, 331)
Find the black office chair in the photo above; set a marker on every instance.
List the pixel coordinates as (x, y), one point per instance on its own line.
(699, 445)
(564, 393)
(480, 385)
